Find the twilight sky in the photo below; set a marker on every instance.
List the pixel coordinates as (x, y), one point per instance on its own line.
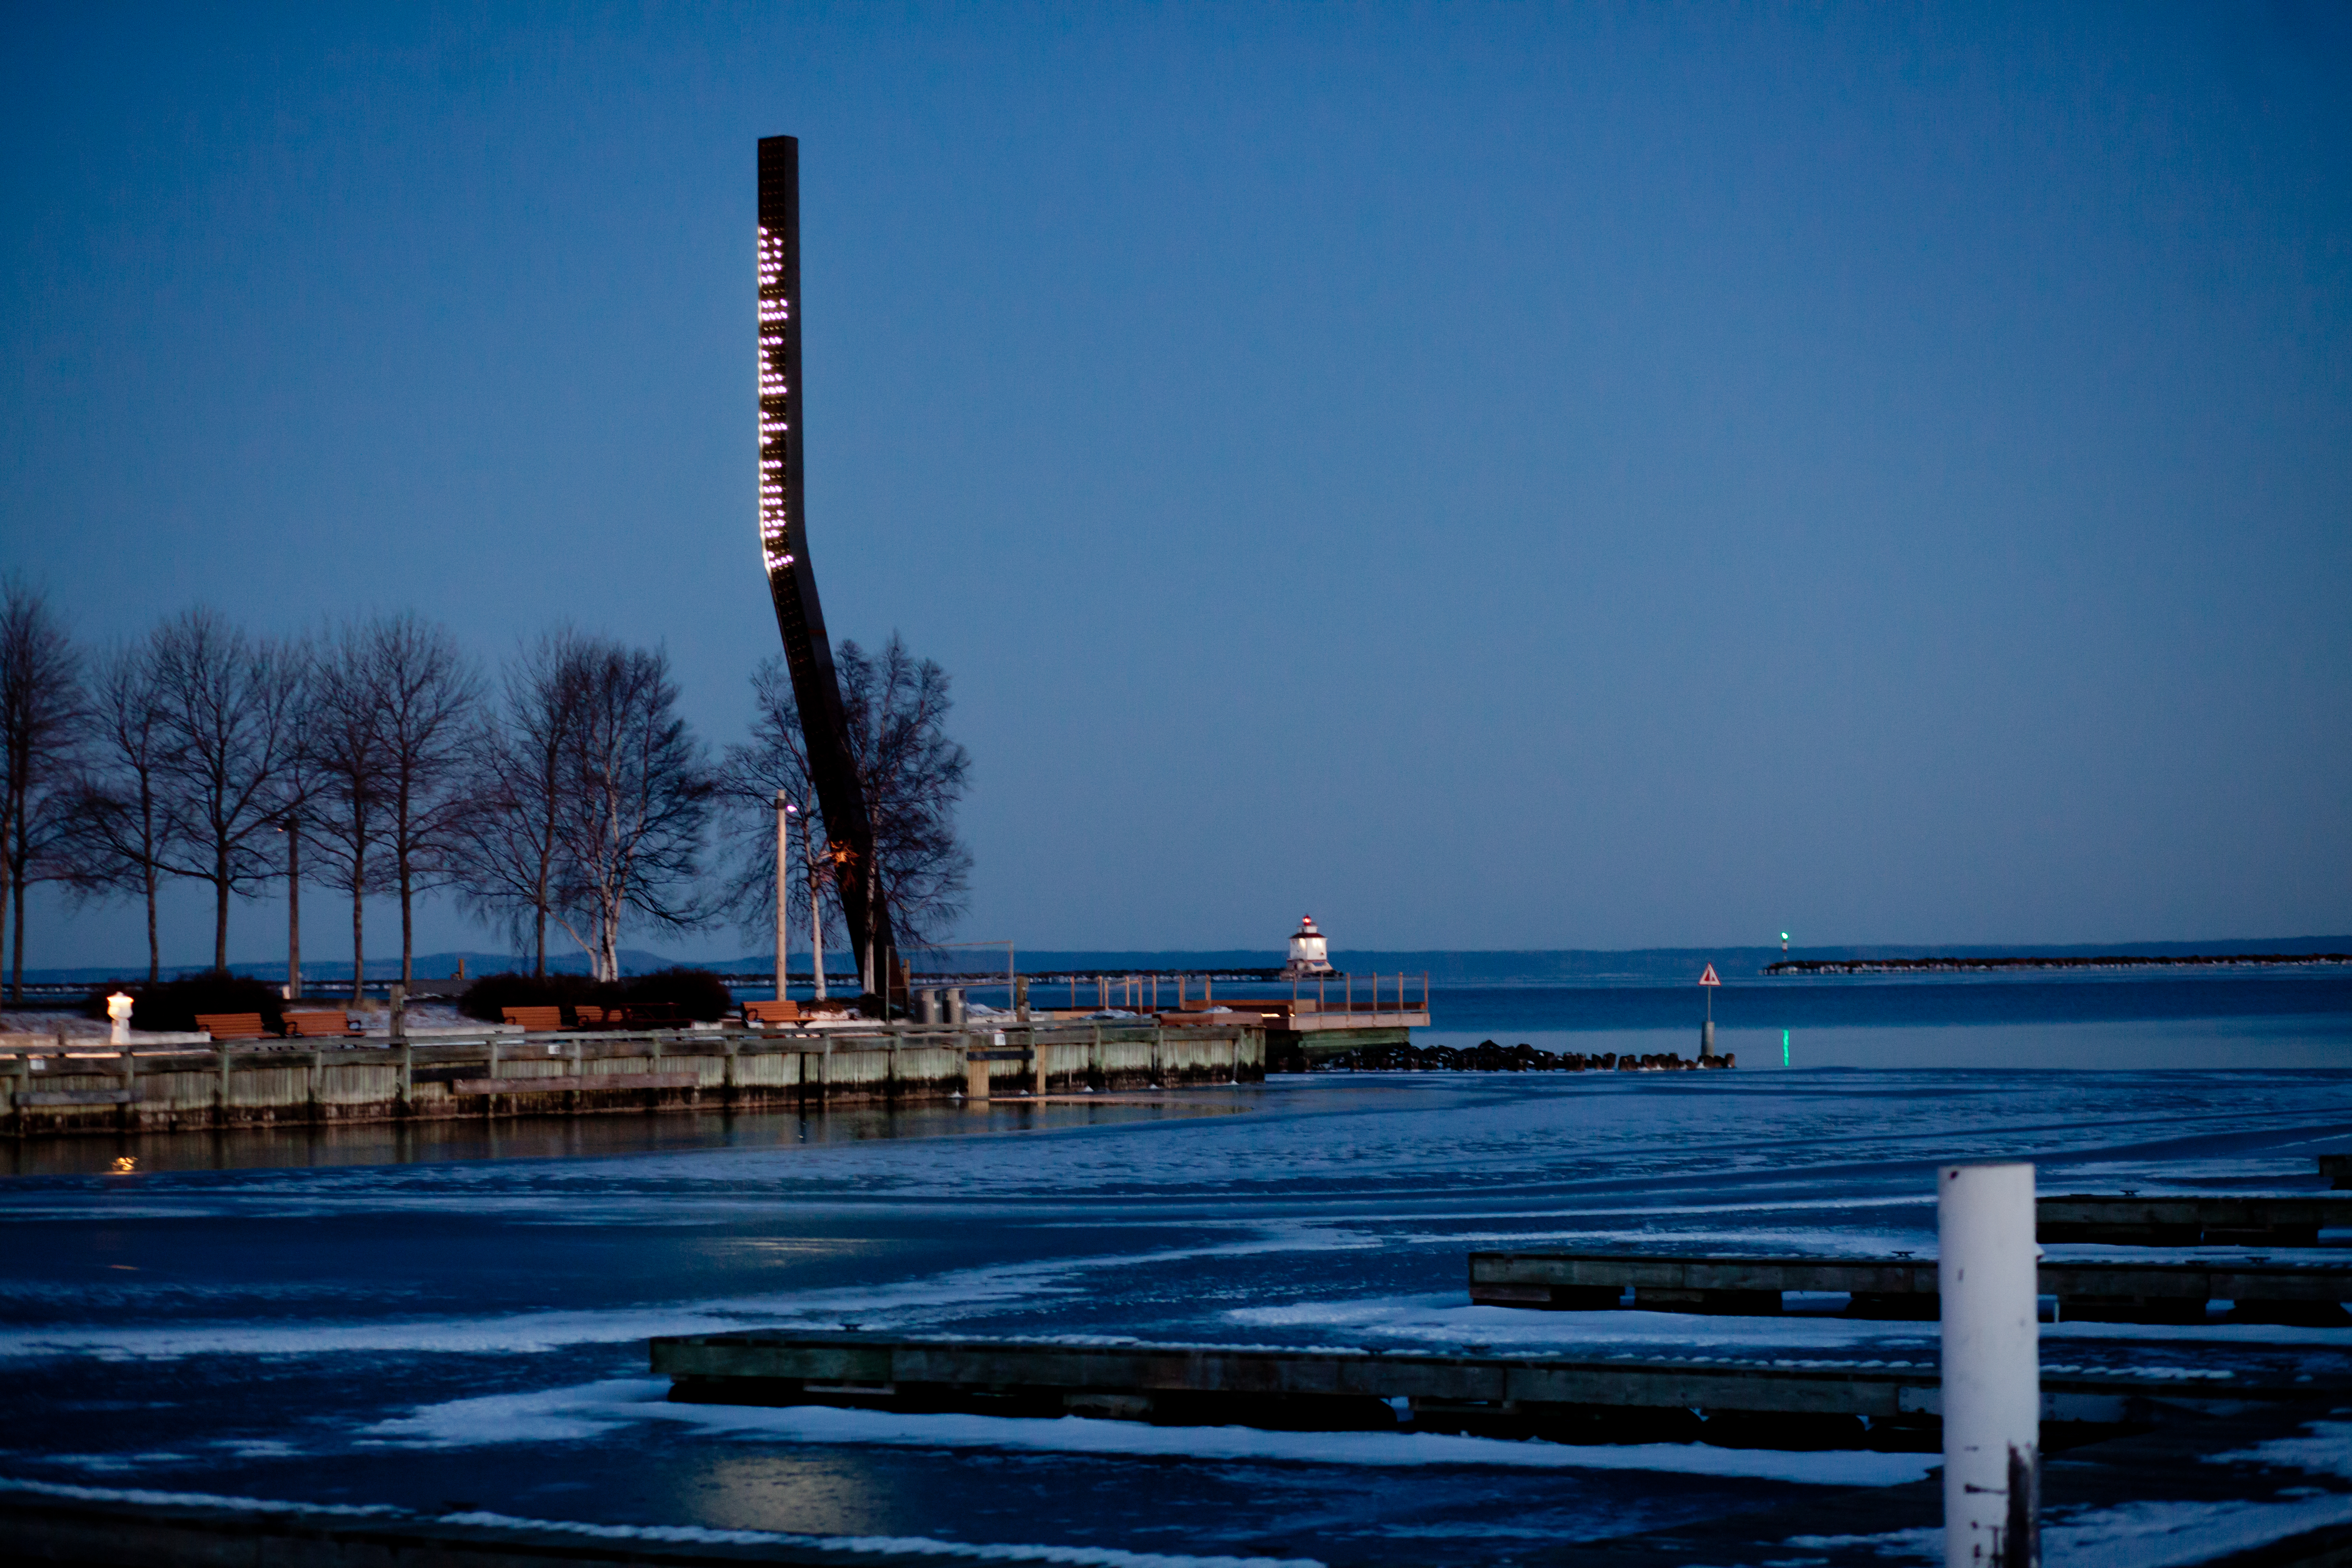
(1494, 477)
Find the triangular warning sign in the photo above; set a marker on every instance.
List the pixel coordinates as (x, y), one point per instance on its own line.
(1708, 978)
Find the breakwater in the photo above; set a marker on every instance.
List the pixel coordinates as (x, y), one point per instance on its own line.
(54, 1085)
(1488, 1057)
(2005, 965)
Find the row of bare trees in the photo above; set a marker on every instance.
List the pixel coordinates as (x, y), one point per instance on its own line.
(561, 799)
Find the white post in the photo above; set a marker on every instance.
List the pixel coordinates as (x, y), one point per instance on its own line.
(1991, 1371)
(817, 917)
(784, 884)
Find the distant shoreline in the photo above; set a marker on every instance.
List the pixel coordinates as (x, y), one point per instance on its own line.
(2115, 961)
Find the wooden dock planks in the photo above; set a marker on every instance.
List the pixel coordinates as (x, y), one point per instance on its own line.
(2190, 1220)
(1362, 1389)
(2104, 1292)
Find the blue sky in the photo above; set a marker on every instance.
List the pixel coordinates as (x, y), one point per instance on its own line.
(1495, 477)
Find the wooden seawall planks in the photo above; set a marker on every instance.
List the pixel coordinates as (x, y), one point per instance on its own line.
(46, 1088)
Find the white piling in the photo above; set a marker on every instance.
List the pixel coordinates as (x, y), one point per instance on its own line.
(1991, 1366)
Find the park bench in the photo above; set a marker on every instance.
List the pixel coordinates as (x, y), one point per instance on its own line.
(646, 1015)
(536, 1020)
(318, 1026)
(595, 1015)
(233, 1025)
(758, 1013)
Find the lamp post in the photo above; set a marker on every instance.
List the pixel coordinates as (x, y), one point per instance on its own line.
(785, 812)
(292, 827)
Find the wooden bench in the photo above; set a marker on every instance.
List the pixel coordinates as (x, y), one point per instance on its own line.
(757, 1013)
(538, 1020)
(233, 1025)
(318, 1026)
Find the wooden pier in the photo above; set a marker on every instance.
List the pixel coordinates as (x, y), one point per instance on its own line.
(51, 1084)
(1782, 1404)
(2263, 1291)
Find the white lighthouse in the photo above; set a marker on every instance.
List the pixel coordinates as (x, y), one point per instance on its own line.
(1310, 953)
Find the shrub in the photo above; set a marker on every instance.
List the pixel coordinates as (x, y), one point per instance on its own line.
(696, 993)
(173, 1005)
(484, 998)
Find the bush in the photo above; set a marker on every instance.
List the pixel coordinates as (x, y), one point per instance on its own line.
(696, 993)
(484, 998)
(173, 1005)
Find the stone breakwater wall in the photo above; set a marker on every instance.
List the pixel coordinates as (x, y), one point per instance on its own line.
(49, 1085)
(1488, 1057)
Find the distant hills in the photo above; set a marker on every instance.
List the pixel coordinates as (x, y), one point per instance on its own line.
(1456, 967)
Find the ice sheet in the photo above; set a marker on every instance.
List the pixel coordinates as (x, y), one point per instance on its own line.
(590, 1409)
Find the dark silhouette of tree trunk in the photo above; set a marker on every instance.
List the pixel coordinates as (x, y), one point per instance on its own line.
(912, 773)
(913, 777)
(425, 693)
(345, 746)
(40, 726)
(774, 758)
(635, 800)
(118, 816)
(510, 871)
(228, 704)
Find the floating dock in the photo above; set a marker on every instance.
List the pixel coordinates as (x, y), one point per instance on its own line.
(2190, 1220)
(1782, 1404)
(2263, 1291)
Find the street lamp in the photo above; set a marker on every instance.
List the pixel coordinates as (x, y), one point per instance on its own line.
(785, 812)
(292, 825)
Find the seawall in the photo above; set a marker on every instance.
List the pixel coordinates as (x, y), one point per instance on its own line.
(50, 1086)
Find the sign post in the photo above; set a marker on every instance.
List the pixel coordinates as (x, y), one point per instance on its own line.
(1707, 1030)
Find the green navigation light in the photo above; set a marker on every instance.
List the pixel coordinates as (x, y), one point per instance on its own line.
(1784, 1047)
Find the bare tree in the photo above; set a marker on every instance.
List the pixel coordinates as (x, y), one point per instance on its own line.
(425, 692)
(40, 722)
(913, 777)
(774, 758)
(228, 704)
(345, 748)
(637, 798)
(119, 822)
(509, 849)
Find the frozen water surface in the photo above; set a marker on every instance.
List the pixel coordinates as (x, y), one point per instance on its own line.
(463, 1335)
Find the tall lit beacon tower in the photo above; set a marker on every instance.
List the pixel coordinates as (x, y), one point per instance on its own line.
(792, 580)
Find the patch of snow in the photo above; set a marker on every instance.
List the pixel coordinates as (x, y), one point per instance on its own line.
(2175, 1534)
(147, 1498)
(1926, 1542)
(2323, 1449)
(596, 1406)
(924, 1546)
(906, 1545)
